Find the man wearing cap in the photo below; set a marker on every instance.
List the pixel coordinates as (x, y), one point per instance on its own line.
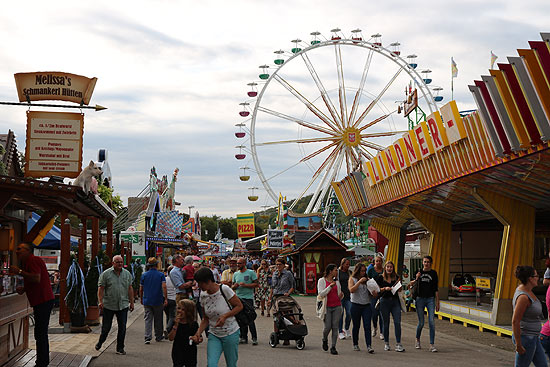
(154, 298)
(115, 295)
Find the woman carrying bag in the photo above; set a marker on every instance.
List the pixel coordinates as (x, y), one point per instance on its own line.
(330, 311)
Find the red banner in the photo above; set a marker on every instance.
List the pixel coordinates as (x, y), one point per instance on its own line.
(311, 278)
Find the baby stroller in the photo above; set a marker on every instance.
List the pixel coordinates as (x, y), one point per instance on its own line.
(290, 322)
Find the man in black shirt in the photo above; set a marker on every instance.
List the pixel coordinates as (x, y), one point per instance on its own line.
(428, 297)
(343, 277)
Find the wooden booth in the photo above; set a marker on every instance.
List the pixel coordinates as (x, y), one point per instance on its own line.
(19, 197)
(310, 259)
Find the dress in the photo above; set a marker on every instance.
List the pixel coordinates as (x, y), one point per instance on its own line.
(262, 292)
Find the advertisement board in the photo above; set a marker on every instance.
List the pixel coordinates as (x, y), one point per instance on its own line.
(245, 225)
(54, 144)
(54, 86)
(137, 239)
(311, 278)
(275, 239)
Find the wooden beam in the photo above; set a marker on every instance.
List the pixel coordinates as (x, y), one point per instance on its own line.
(5, 198)
(95, 238)
(64, 268)
(38, 226)
(83, 242)
(109, 248)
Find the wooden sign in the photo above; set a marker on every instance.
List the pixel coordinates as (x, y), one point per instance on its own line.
(54, 144)
(54, 85)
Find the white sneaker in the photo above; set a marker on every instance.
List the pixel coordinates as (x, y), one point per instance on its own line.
(433, 349)
(399, 348)
(348, 333)
(387, 347)
(374, 331)
(417, 345)
(342, 336)
(381, 336)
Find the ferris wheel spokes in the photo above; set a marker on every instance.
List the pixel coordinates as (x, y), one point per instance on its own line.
(305, 101)
(375, 101)
(298, 121)
(357, 98)
(317, 198)
(389, 133)
(381, 118)
(299, 141)
(327, 162)
(321, 87)
(341, 86)
(372, 145)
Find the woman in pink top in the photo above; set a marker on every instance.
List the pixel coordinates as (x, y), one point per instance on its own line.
(329, 287)
(545, 331)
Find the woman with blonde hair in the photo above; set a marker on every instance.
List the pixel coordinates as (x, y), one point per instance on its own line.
(389, 303)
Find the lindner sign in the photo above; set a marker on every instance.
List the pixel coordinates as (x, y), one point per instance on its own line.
(54, 144)
(53, 85)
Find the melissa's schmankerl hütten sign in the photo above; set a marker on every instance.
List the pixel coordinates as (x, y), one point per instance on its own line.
(54, 85)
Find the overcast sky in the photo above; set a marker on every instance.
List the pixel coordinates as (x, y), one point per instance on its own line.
(172, 73)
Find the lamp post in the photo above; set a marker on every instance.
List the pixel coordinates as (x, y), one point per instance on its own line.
(190, 207)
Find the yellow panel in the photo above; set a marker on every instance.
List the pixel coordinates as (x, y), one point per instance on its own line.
(511, 108)
(440, 247)
(517, 240)
(411, 146)
(437, 131)
(401, 150)
(338, 193)
(393, 234)
(391, 158)
(538, 77)
(452, 122)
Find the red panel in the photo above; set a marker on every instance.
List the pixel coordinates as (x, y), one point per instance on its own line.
(523, 107)
(544, 56)
(494, 116)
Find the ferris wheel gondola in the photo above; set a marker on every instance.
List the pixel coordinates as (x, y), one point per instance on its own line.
(339, 122)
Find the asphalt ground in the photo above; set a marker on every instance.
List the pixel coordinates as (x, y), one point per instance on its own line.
(457, 345)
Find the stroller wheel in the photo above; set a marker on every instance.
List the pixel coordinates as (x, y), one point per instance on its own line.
(300, 344)
(273, 340)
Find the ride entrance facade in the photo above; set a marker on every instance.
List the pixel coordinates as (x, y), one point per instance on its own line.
(477, 183)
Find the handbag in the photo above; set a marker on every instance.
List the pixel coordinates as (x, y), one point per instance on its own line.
(402, 303)
(321, 308)
(246, 316)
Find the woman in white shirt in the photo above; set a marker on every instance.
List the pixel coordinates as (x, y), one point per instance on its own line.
(360, 306)
(170, 308)
(219, 310)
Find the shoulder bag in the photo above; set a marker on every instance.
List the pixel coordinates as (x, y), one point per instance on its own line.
(246, 316)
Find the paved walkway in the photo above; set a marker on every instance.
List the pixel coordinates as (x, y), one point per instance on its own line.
(453, 350)
(84, 343)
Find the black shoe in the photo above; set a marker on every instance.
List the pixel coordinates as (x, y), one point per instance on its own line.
(325, 345)
(286, 342)
(121, 352)
(98, 346)
(333, 351)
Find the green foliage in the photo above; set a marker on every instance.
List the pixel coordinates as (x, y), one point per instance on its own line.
(107, 195)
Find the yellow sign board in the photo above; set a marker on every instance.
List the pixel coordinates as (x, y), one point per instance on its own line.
(54, 85)
(54, 144)
(483, 282)
(245, 225)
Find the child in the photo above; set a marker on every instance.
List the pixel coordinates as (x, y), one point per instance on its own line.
(184, 350)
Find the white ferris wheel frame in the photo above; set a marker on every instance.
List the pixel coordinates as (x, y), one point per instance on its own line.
(395, 58)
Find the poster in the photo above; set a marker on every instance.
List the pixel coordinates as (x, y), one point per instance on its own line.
(245, 225)
(54, 144)
(311, 278)
(275, 239)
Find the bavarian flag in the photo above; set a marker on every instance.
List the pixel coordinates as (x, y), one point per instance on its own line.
(454, 69)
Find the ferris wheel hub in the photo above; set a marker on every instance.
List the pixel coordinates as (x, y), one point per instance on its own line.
(351, 137)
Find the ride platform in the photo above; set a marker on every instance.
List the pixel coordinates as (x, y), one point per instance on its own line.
(465, 311)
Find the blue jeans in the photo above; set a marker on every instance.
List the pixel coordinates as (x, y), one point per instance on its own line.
(357, 312)
(545, 341)
(420, 304)
(41, 321)
(346, 306)
(121, 318)
(393, 306)
(229, 345)
(376, 316)
(534, 352)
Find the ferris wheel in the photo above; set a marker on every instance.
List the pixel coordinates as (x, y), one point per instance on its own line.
(325, 106)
